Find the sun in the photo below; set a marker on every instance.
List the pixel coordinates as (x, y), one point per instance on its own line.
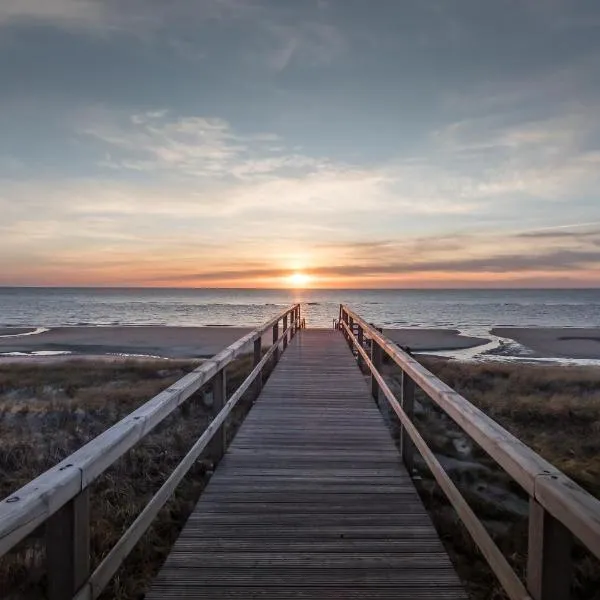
(298, 279)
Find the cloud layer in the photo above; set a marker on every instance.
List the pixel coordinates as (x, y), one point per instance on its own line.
(227, 142)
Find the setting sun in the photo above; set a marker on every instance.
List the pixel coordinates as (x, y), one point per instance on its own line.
(299, 280)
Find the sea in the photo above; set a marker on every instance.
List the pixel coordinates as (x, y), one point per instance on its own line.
(472, 312)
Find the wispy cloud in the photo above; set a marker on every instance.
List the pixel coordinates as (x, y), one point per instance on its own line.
(309, 43)
(106, 16)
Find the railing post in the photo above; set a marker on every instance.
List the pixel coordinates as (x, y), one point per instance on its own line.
(408, 405)
(376, 360)
(68, 548)
(275, 338)
(256, 360)
(285, 334)
(360, 343)
(218, 444)
(549, 566)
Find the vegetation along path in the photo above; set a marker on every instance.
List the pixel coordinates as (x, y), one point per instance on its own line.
(311, 500)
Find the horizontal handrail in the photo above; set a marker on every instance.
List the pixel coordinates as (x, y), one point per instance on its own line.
(33, 504)
(507, 577)
(565, 501)
(113, 560)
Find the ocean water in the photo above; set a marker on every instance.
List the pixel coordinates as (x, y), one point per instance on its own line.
(471, 311)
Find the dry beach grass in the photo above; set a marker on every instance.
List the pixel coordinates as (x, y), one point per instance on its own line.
(48, 411)
(556, 411)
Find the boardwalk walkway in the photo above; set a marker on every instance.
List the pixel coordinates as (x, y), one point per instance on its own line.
(311, 500)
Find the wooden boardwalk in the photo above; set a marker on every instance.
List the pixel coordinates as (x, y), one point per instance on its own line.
(311, 500)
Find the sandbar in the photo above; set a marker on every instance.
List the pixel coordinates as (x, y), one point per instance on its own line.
(555, 342)
(16, 330)
(160, 341)
(430, 340)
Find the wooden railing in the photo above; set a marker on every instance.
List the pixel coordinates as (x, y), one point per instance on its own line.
(559, 508)
(60, 497)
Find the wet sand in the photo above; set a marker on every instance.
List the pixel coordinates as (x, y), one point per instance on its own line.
(555, 342)
(168, 342)
(203, 342)
(15, 330)
(185, 342)
(431, 340)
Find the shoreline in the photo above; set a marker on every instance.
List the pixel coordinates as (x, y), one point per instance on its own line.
(152, 342)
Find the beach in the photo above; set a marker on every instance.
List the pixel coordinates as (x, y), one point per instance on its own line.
(182, 342)
(88, 342)
(157, 341)
(560, 342)
(431, 340)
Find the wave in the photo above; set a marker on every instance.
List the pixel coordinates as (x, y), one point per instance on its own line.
(36, 331)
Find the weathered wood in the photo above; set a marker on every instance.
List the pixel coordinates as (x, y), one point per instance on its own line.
(275, 338)
(109, 566)
(494, 557)
(376, 358)
(559, 495)
(218, 443)
(285, 337)
(408, 405)
(255, 361)
(361, 342)
(549, 565)
(572, 506)
(27, 508)
(311, 500)
(68, 548)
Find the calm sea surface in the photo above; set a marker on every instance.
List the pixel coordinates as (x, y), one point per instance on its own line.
(472, 311)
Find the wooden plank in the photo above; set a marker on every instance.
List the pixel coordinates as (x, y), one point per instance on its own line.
(68, 548)
(376, 357)
(509, 580)
(30, 506)
(257, 351)
(311, 499)
(408, 405)
(110, 564)
(549, 564)
(566, 501)
(216, 448)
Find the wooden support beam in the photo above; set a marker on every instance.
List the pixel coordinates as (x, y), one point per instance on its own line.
(275, 338)
(361, 342)
(68, 548)
(285, 336)
(216, 448)
(408, 405)
(549, 566)
(376, 356)
(256, 360)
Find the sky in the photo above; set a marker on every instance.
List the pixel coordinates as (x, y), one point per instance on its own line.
(362, 143)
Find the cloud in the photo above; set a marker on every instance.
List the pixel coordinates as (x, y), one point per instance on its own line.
(508, 255)
(69, 13)
(150, 141)
(106, 16)
(309, 43)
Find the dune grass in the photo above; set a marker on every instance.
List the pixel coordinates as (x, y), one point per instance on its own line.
(553, 409)
(49, 411)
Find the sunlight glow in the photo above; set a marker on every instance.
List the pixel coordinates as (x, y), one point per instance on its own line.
(298, 280)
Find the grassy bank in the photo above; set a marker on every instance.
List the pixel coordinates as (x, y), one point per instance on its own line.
(49, 411)
(556, 411)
